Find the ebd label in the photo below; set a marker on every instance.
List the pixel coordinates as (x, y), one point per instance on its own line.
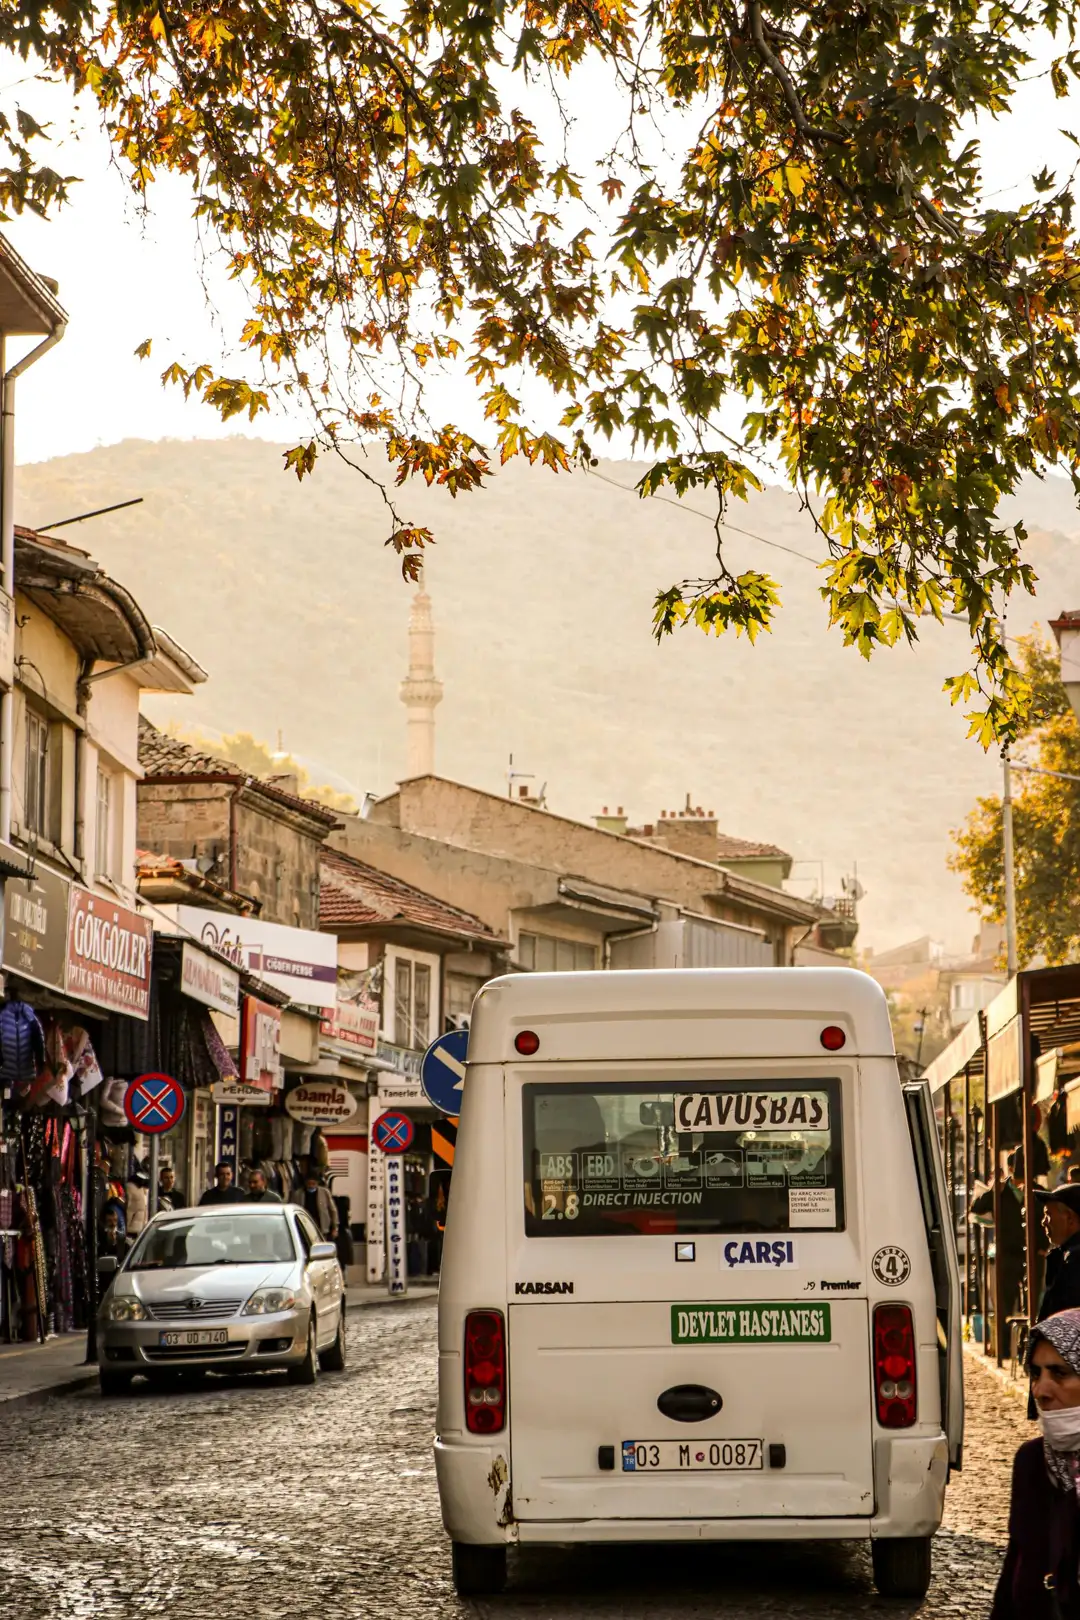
(751, 1324)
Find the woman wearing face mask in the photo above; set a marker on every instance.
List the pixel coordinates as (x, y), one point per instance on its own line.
(1041, 1577)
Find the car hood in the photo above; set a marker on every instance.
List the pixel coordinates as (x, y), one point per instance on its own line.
(208, 1283)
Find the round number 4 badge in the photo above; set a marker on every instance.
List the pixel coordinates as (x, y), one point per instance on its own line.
(891, 1266)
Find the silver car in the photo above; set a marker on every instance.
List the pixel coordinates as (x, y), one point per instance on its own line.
(228, 1288)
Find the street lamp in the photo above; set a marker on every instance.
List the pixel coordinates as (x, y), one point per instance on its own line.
(1067, 631)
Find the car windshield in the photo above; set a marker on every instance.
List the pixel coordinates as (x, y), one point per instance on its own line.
(214, 1239)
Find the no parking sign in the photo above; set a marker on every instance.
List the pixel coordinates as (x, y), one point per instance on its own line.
(154, 1103)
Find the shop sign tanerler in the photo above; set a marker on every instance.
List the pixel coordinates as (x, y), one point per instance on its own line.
(109, 950)
(299, 962)
(36, 927)
(213, 983)
(321, 1102)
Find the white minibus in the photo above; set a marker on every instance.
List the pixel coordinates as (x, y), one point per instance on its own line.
(698, 1280)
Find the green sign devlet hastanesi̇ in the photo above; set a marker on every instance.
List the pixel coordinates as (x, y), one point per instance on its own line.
(737, 1323)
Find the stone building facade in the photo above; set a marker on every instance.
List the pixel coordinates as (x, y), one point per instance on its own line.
(258, 838)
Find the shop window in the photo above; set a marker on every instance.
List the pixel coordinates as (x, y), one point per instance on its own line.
(544, 953)
(36, 797)
(103, 825)
(461, 991)
(412, 1003)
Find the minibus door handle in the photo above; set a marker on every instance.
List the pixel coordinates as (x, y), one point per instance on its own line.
(689, 1403)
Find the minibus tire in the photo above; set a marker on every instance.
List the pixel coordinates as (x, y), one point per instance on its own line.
(478, 1571)
(902, 1566)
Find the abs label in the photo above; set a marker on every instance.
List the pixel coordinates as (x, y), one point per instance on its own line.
(782, 1253)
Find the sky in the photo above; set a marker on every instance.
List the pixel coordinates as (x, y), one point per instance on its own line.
(124, 278)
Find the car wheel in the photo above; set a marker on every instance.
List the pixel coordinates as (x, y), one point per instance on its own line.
(114, 1383)
(902, 1566)
(478, 1571)
(333, 1360)
(308, 1370)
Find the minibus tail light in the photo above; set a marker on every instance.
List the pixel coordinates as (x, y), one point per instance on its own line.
(894, 1366)
(833, 1038)
(527, 1042)
(485, 1372)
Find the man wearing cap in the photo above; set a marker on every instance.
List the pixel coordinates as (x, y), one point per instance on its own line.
(1061, 1223)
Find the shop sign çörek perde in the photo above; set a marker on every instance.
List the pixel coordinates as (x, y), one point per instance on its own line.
(317, 1102)
(108, 957)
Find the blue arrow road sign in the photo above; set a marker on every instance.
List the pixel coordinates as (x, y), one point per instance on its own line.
(442, 1072)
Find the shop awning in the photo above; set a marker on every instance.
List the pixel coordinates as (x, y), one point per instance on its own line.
(959, 1055)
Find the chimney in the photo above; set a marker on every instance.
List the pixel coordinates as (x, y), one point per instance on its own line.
(611, 823)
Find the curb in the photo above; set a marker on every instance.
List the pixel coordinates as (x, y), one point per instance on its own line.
(35, 1397)
(1015, 1387)
(77, 1381)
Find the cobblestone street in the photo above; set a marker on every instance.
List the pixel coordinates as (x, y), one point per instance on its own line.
(267, 1500)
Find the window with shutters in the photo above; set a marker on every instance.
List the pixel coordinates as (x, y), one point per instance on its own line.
(414, 983)
(103, 826)
(36, 794)
(546, 953)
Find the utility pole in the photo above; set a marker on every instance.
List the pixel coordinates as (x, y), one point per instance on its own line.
(1010, 870)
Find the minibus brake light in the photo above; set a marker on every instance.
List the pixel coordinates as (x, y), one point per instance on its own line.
(527, 1042)
(485, 1372)
(833, 1038)
(894, 1366)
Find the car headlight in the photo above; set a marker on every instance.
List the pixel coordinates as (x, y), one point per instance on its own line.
(126, 1309)
(265, 1301)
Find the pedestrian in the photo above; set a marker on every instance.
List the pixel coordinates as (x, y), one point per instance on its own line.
(1061, 1223)
(257, 1190)
(223, 1191)
(1039, 1580)
(112, 1239)
(416, 1240)
(169, 1195)
(1009, 1241)
(1074, 1173)
(320, 1206)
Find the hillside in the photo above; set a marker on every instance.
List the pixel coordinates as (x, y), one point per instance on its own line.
(542, 588)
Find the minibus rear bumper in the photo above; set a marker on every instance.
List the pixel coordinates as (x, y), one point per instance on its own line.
(910, 1473)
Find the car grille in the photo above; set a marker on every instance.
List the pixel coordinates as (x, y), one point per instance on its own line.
(191, 1352)
(182, 1311)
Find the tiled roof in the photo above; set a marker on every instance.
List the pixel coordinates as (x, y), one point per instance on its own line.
(151, 867)
(355, 895)
(742, 849)
(167, 759)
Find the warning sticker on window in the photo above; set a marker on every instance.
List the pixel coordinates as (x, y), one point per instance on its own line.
(755, 1110)
(811, 1206)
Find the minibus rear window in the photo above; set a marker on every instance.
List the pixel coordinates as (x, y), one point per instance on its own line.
(696, 1156)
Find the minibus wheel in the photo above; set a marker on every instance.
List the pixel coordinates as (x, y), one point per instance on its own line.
(902, 1566)
(478, 1571)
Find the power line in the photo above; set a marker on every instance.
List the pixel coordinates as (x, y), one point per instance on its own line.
(682, 507)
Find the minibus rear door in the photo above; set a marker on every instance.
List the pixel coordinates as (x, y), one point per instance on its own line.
(941, 1237)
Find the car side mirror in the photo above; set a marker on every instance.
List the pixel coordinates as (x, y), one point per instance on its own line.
(108, 1265)
(323, 1251)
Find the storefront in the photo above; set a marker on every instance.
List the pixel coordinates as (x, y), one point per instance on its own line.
(1009, 1081)
(74, 1027)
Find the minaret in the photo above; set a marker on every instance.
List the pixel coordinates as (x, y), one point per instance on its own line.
(420, 691)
